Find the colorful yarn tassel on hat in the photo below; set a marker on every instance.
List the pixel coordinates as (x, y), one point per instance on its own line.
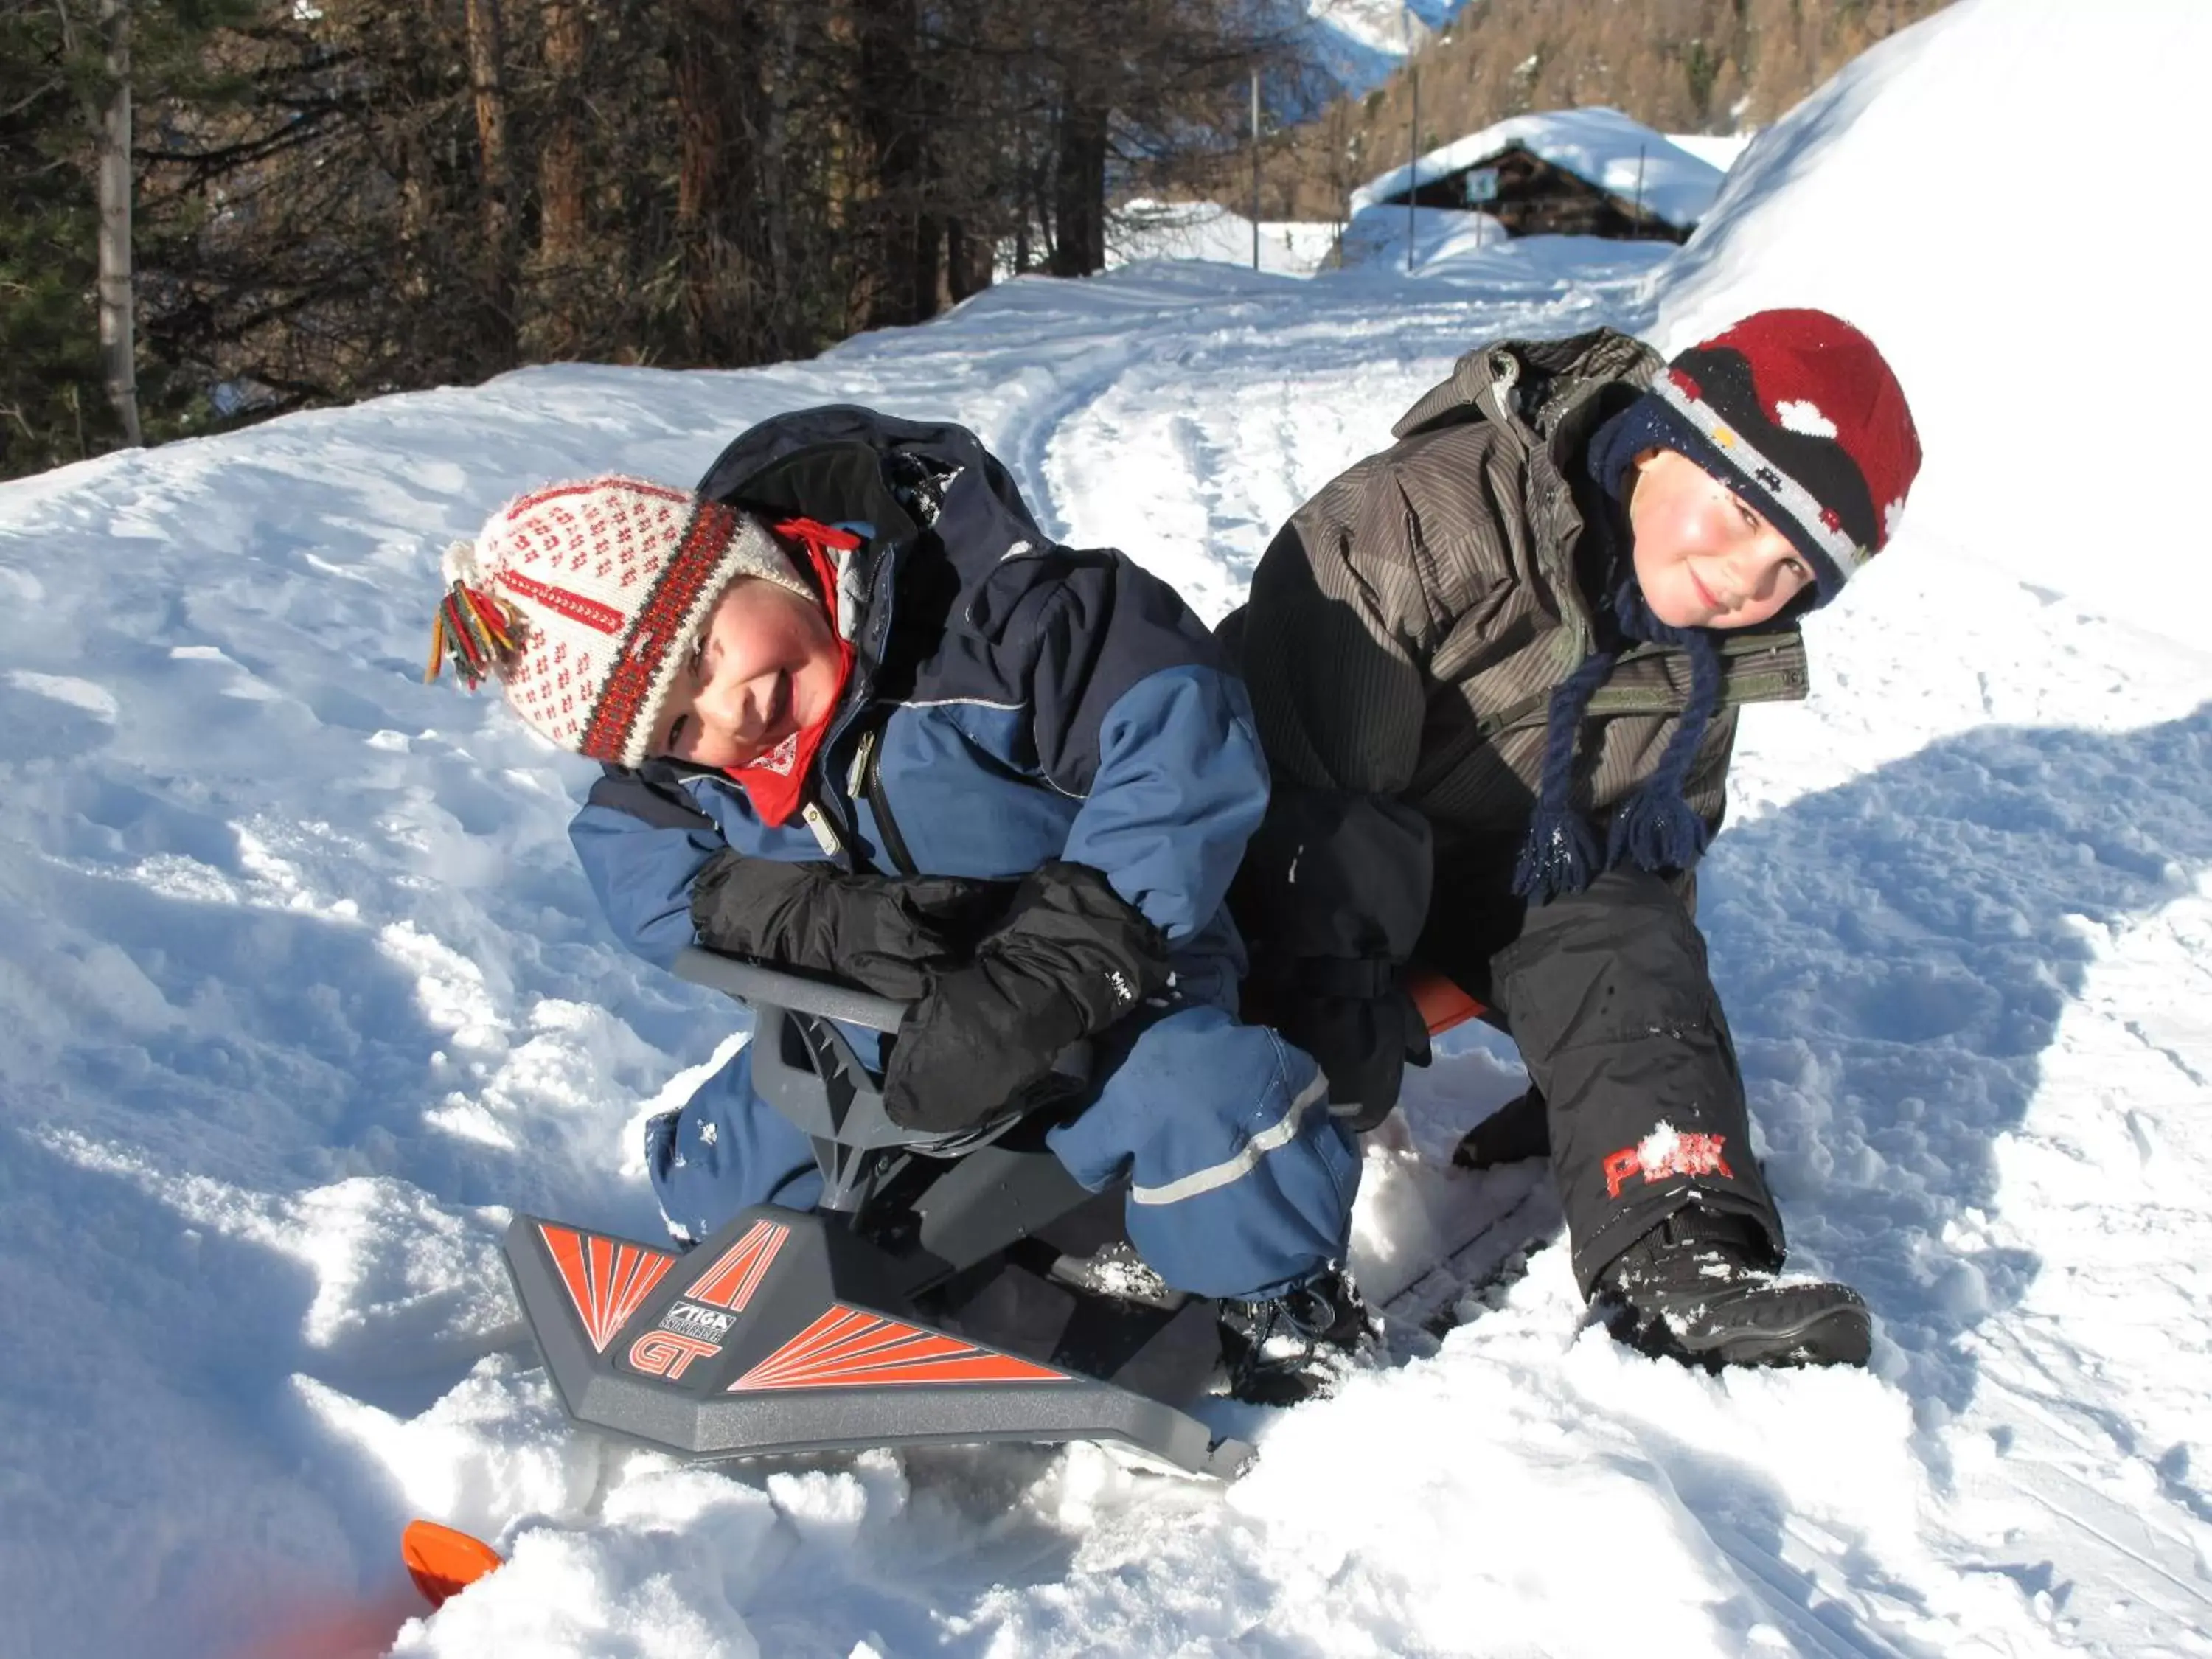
(479, 633)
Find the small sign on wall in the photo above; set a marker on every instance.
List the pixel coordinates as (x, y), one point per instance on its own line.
(1481, 185)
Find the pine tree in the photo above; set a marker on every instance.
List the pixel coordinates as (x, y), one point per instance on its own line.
(55, 91)
(51, 408)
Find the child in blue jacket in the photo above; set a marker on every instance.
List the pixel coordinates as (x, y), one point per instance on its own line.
(859, 716)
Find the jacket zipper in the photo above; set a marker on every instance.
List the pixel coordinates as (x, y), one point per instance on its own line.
(878, 799)
(825, 824)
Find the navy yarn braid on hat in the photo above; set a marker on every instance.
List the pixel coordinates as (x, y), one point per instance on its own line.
(1655, 828)
(1798, 414)
(1561, 853)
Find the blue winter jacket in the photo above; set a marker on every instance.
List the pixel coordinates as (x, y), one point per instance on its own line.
(1011, 701)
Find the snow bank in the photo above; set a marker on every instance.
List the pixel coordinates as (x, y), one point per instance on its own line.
(1474, 249)
(1142, 229)
(1602, 145)
(2030, 278)
(1377, 237)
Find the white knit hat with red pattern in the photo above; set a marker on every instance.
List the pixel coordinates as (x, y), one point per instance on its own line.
(585, 600)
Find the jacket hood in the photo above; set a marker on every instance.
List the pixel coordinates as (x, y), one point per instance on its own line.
(1541, 389)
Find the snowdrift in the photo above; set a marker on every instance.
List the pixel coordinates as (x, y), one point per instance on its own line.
(1991, 196)
(1142, 229)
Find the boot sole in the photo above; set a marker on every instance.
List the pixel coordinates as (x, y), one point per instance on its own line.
(1829, 1336)
(1841, 1336)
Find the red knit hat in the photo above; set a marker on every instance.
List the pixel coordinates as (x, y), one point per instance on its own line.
(583, 600)
(1796, 411)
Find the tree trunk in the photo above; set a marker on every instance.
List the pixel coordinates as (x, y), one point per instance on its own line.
(488, 81)
(890, 284)
(1079, 191)
(967, 262)
(787, 336)
(928, 296)
(119, 353)
(562, 228)
(716, 74)
(698, 164)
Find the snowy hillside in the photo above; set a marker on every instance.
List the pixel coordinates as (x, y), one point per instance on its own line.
(1361, 42)
(304, 993)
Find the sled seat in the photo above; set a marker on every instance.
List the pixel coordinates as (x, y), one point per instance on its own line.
(999, 1184)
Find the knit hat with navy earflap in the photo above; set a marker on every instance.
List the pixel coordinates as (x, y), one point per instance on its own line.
(1797, 413)
(585, 600)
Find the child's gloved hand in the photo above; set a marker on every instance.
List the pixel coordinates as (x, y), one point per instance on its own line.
(1362, 1038)
(877, 931)
(1071, 958)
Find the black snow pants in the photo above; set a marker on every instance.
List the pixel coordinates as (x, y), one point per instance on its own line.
(1607, 995)
(1606, 992)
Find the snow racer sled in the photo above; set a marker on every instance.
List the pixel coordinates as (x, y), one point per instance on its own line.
(947, 1289)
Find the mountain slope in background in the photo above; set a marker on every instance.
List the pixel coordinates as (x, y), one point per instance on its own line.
(1368, 38)
(1690, 66)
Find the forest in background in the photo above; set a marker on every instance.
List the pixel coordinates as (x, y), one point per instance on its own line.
(221, 210)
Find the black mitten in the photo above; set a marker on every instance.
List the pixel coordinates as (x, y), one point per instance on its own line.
(1360, 1027)
(1333, 895)
(1071, 958)
(877, 931)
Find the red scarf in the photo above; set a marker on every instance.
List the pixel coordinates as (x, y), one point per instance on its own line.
(776, 782)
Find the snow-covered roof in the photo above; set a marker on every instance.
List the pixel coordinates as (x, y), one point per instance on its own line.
(1597, 144)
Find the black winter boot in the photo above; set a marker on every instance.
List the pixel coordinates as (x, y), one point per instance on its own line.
(1519, 1129)
(1703, 1288)
(1297, 1345)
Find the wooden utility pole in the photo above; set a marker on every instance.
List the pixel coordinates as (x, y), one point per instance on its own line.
(1256, 169)
(118, 354)
(1413, 147)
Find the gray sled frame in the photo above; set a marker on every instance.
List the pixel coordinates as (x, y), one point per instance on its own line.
(928, 1299)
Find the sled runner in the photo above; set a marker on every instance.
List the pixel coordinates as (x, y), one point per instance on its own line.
(947, 1289)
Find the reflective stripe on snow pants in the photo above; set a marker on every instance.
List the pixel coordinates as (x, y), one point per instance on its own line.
(1240, 1181)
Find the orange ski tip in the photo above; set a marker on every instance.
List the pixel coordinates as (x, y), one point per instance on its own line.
(444, 1562)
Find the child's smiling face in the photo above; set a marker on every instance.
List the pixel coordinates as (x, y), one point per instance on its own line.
(765, 668)
(1705, 557)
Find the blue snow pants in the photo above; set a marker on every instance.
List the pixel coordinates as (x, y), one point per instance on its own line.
(1241, 1183)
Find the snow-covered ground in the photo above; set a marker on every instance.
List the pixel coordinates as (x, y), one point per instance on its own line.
(303, 992)
(1145, 229)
